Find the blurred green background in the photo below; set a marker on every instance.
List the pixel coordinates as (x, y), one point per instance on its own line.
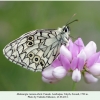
(16, 18)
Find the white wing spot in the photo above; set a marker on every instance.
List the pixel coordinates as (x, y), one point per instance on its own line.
(22, 55)
(7, 48)
(26, 61)
(9, 53)
(20, 48)
(32, 66)
(50, 41)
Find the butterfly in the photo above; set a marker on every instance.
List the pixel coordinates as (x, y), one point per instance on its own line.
(37, 49)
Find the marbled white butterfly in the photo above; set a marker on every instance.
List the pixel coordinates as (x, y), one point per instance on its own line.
(37, 49)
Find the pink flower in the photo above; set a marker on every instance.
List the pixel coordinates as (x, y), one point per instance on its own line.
(92, 65)
(75, 60)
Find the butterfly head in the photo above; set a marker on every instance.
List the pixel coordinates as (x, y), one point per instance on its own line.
(65, 31)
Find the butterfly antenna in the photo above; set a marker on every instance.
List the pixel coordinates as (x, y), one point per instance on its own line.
(71, 22)
(68, 22)
(71, 18)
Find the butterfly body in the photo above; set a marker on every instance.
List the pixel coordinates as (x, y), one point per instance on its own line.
(37, 49)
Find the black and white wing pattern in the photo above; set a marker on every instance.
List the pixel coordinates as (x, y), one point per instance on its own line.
(36, 49)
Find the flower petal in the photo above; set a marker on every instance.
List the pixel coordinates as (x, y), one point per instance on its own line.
(74, 63)
(90, 49)
(82, 55)
(70, 46)
(65, 62)
(95, 69)
(59, 72)
(80, 64)
(56, 62)
(47, 72)
(81, 60)
(76, 75)
(89, 78)
(80, 44)
(49, 80)
(76, 47)
(93, 59)
(98, 61)
(64, 51)
(73, 48)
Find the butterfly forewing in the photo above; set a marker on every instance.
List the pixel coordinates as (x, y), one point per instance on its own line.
(34, 50)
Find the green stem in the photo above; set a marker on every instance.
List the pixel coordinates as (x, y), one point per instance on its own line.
(73, 86)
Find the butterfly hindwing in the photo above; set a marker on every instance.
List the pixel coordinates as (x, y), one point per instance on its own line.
(34, 50)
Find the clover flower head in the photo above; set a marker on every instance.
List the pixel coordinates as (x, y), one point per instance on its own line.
(75, 60)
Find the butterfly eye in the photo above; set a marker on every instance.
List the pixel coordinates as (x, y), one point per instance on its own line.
(36, 59)
(65, 29)
(29, 43)
(30, 55)
(30, 38)
(42, 63)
